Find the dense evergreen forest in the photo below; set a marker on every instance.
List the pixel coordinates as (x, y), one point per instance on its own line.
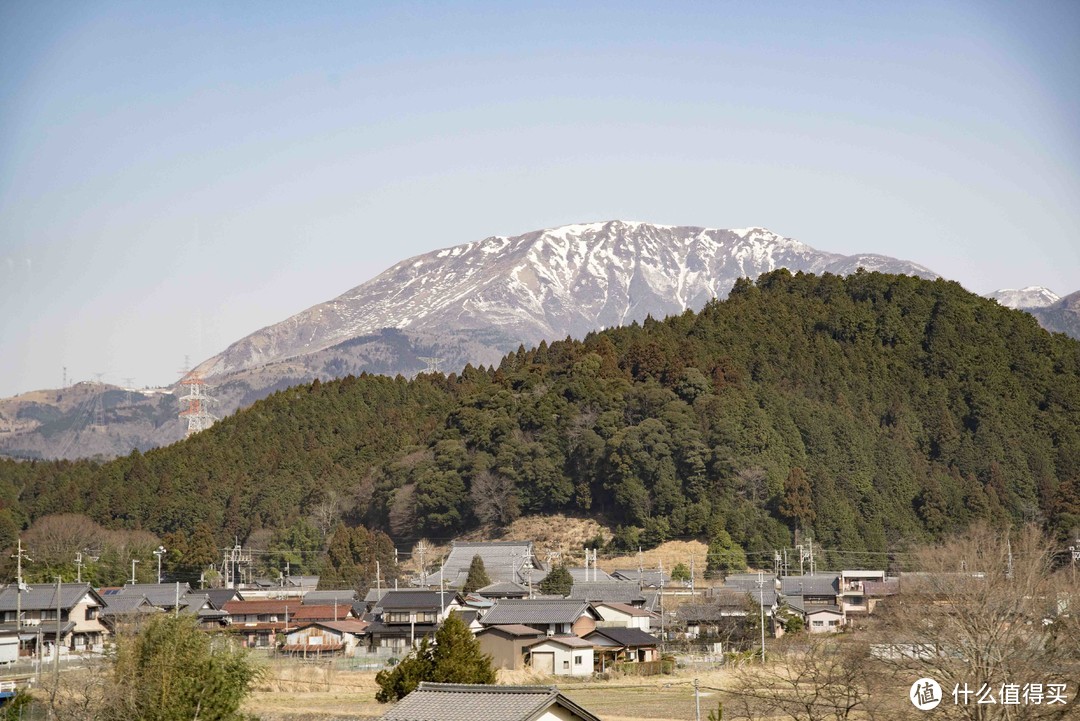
(875, 410)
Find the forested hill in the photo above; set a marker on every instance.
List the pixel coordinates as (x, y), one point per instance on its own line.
(877, 410)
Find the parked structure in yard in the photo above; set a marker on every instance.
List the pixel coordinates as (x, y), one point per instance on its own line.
(460, 702)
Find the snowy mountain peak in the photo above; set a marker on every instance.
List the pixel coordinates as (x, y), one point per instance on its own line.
(546, 284)
(1033, 296)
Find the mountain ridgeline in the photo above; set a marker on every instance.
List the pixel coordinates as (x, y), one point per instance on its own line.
(876, 410)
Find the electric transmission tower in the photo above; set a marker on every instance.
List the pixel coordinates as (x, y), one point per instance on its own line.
(193, 406)
(432, 363)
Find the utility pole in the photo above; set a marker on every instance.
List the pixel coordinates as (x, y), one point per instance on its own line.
(697, 702)
(378, 587)
(56, 646)
(159, 553)
(19, 588)
(78, 568)
(662, 636)
(423, 570)
(692, 589)
(1009, 567)
(811, 555)
(761, 604)
(133, 562)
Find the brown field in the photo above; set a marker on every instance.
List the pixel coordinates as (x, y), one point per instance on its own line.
(309, 692)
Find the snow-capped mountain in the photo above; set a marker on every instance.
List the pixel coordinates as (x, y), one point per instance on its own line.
(547, 284)
(1034, 296)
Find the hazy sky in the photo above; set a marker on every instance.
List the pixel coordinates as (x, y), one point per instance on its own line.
(174, 176)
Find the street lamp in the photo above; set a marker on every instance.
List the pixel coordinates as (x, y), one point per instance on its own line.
(133, 562)
(159, 553)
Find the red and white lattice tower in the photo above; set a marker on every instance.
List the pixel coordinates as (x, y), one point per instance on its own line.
(193, 406)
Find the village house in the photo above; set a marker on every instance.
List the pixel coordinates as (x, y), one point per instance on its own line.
(124, 613)
(561, 656)
(506, 644)
(258, 622)
(404, 617)
(613, 613)
(461, 702)
(628, 645)
(551, 616)
(504, 589)
(77, 607)
(322, 638)
(626, 592)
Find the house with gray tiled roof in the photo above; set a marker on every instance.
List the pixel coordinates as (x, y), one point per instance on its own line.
(466, 702)
(554, 616)
(404, 617)
(620, 591)
(623, 644)
(504, 589)
(81, 628)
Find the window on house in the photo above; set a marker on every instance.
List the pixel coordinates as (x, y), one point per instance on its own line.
(577, 660)
(92, 613)
(819, 623)
(566, 664)
(48, 614)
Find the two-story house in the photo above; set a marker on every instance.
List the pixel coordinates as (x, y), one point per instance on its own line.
(71, 616)
(402, 618)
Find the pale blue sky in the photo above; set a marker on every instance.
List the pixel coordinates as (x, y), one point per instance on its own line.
(174, 176)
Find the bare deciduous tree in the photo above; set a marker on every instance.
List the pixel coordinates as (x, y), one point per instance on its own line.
(812, 679)
(984, 616)
(494, 498)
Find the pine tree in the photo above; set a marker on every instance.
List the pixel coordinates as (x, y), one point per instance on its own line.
(557, 583)
(798, 501)
(478, 577)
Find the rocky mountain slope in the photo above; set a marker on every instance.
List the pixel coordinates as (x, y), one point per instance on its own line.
(1033, 296)
(470, 303)
(545, 285)
(1060, 317)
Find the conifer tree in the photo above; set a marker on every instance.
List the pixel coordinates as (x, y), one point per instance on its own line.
(477, 578)
(557, 583)
(454, 657)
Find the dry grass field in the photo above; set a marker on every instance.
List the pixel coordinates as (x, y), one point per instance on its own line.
(293, 692)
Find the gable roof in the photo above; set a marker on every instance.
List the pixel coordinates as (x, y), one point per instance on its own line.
(565, 641)
(38, 597)
(512, 629)
(536, 610)
(220, 596)
(624, 608)
(353, 626)
(629, 637)
(162, 595)
(467, 702)
(816, 585)
(503, 588)
(418, 599)
(622, 591)
(128, 606)
(651, 577)
(342, 596)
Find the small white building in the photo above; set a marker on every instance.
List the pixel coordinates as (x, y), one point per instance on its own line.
(562, 656)
(326, 637)
(824, 619)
